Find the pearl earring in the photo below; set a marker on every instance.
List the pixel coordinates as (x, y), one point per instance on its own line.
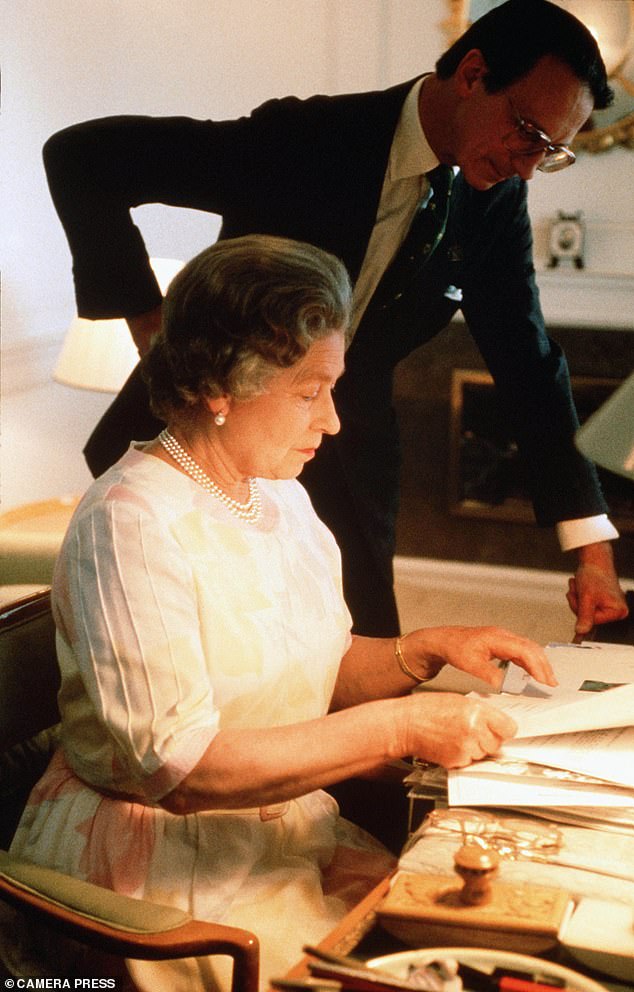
(219, 419)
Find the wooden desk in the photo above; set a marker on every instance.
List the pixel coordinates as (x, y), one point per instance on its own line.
(356, 931)
(359, 935)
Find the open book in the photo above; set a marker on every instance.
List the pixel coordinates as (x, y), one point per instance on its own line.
(584, 727)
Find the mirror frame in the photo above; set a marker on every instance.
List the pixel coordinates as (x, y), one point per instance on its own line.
(594, 139)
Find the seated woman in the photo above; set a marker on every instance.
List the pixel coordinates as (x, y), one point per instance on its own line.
(210, 685)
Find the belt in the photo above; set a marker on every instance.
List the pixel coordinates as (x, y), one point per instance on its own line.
(264, 812)
(272, 812)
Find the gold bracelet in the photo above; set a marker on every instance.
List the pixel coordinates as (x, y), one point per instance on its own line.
(398, 651)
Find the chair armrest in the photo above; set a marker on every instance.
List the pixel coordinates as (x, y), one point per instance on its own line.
(122, 925)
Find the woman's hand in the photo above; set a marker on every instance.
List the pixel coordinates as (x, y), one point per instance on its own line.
(452, 730)
(476, 650)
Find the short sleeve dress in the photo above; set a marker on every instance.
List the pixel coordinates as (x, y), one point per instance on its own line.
(176, 619)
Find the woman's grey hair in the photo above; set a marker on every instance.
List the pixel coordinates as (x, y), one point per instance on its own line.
(239, 311)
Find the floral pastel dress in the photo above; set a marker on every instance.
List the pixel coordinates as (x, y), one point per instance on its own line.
(175, 619)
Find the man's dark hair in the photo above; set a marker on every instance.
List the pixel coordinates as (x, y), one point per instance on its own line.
(514, 36)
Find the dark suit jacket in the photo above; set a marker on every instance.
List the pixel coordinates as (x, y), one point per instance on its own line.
(313, 170)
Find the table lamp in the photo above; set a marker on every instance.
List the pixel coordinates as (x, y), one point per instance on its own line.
(100, 354)
(607, 437)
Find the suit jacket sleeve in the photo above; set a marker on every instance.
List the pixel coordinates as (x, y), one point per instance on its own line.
(502, 309)
(98, 170)
(305, 169)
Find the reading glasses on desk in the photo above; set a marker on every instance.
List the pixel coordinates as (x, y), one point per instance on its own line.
(513, 838)
(510, 837)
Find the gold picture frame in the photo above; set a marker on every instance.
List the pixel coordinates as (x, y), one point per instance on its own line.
(485, 473)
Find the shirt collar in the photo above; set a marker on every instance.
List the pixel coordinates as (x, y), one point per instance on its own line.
(411, 154)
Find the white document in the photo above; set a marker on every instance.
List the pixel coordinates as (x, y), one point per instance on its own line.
(606, 754)
(502, 783)
(469, 790)
(565, 712)
(584, 725)
(591, 662)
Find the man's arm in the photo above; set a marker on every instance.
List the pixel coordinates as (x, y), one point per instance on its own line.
(533, 382)
(98, 171)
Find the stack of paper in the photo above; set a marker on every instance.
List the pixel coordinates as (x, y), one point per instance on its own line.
(575, 742)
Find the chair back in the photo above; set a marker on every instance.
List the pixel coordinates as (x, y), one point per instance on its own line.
(29, 717)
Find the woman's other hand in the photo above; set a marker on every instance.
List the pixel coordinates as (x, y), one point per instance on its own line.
(452, 730)
(476, 650)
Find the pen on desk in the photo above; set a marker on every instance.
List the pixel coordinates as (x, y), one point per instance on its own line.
(359, 979)
(508, 980)
(510, 984)
(305, 985)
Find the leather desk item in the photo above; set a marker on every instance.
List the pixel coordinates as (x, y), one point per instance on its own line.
(423, 910)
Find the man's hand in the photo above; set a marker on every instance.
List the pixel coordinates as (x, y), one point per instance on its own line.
(594, 593)
(144, 327)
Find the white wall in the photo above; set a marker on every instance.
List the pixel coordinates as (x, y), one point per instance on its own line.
(67, 60)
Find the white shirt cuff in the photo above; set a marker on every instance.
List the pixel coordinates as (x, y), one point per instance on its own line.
(586, 530)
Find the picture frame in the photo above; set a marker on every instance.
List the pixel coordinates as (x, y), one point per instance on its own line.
(486, 477)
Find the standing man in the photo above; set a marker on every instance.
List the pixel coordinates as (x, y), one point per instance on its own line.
(353, 174)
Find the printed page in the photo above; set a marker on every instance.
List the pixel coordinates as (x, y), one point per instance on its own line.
(464, 790)
(481, 785)
(567, 712)
(590, 664)
(605, 754)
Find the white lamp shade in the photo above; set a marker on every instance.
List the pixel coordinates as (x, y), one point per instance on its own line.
(607, 437)
(100, 354)
(97, 354)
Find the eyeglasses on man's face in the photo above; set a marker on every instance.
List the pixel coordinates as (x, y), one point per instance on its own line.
(527, 139)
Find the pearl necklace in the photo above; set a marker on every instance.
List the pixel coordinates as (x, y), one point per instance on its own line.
(250, 511)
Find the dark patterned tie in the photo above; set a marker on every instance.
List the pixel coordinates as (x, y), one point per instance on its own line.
(425, 232)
